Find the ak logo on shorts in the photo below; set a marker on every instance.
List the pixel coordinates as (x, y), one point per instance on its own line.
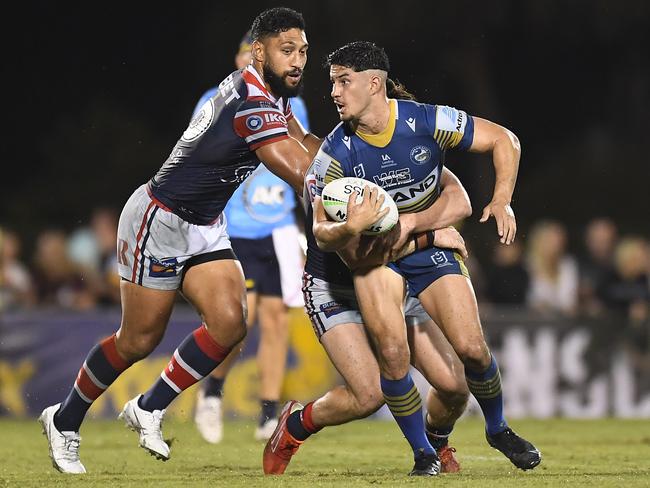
(163, 268)
(254, 122)
(420, 154)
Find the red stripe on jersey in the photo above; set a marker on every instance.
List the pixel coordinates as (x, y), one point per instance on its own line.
(86, 385)
(208, 345)
(263, 142)
(137, 240)
(258, 120)
(109, 349)
(178, 375)
(251, 79)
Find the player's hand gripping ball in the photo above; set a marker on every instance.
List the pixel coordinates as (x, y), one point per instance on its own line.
(335, 200)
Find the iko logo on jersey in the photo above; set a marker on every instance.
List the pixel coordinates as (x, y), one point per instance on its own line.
(420, 154)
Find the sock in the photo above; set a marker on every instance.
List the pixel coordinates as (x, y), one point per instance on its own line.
(101, 368)
(438, 436)
(269, 410)
(214, 386)
(486, 388)
(403, 400)
(194, 359)
(300, 423)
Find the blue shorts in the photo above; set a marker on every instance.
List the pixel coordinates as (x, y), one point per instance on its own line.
(260, 264)
(422, 268)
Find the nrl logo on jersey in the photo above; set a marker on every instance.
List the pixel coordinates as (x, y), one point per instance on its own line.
(420, 154)
(359, 171)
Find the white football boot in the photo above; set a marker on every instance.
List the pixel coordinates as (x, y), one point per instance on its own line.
(208, 417)
(148, 425)
(64, 446)
(265, 431)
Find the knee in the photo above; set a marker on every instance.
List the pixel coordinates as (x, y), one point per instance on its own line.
(134, 347)
(474, 355)
(368, 401)
(229, 322)
(394, 358)
(454, 398)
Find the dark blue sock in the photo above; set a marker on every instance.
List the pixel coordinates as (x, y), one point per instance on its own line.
(438, 436)
(214, 386)
(486, 388)
(403, 400)
(269, 410)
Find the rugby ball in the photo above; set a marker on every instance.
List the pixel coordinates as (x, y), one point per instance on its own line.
(335, 200)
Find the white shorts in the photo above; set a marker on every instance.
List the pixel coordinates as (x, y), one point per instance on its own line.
(291, 259)
(329, 305)
(155, 247)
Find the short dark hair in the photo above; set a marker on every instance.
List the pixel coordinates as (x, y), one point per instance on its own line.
(276, 20)
(359, 56)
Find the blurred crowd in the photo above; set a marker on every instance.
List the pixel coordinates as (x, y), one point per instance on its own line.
(606, 276)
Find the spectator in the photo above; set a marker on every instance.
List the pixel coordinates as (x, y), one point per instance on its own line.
(16, 288)
(58, 280)
(104, 226)
(597, 264)
(553, 272)
(506, 276)
(627, 296)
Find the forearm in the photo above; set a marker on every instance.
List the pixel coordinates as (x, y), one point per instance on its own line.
(451, 206)
(333, 236)
(312, 143)
(505, 156)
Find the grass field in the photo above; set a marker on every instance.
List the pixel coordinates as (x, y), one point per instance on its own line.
(576, 453)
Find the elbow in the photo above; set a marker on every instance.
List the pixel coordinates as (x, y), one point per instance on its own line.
(466, 208)
(514, 141)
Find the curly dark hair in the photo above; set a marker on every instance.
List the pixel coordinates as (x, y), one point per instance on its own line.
(359, 56)
(363, 55)
(276, 20)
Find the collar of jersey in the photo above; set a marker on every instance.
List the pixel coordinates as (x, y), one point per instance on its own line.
(384, 137)
(260, 82)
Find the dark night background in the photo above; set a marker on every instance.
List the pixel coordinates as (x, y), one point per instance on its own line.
(96, 95)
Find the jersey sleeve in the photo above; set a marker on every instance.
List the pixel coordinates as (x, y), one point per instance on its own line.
(288, 109)
(450, 127)
(324, 168)
(259, 123)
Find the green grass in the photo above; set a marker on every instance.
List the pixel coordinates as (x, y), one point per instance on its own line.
(576, 453)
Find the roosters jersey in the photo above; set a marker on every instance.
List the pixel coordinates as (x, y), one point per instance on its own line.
(216, 152)
(406, 159)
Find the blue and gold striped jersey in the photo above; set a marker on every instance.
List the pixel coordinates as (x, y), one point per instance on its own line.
(406, 159)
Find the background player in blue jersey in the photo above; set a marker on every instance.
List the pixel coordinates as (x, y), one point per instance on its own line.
(172, 238)
(260, 215)
(401, 146)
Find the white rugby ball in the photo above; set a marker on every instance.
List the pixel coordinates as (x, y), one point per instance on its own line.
(335, 200)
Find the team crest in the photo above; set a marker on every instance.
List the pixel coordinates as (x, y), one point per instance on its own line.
(254, 122)
(420, 154)
(200, 122)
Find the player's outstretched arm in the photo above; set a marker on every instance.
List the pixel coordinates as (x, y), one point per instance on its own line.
(506, 151)
(288, 159)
